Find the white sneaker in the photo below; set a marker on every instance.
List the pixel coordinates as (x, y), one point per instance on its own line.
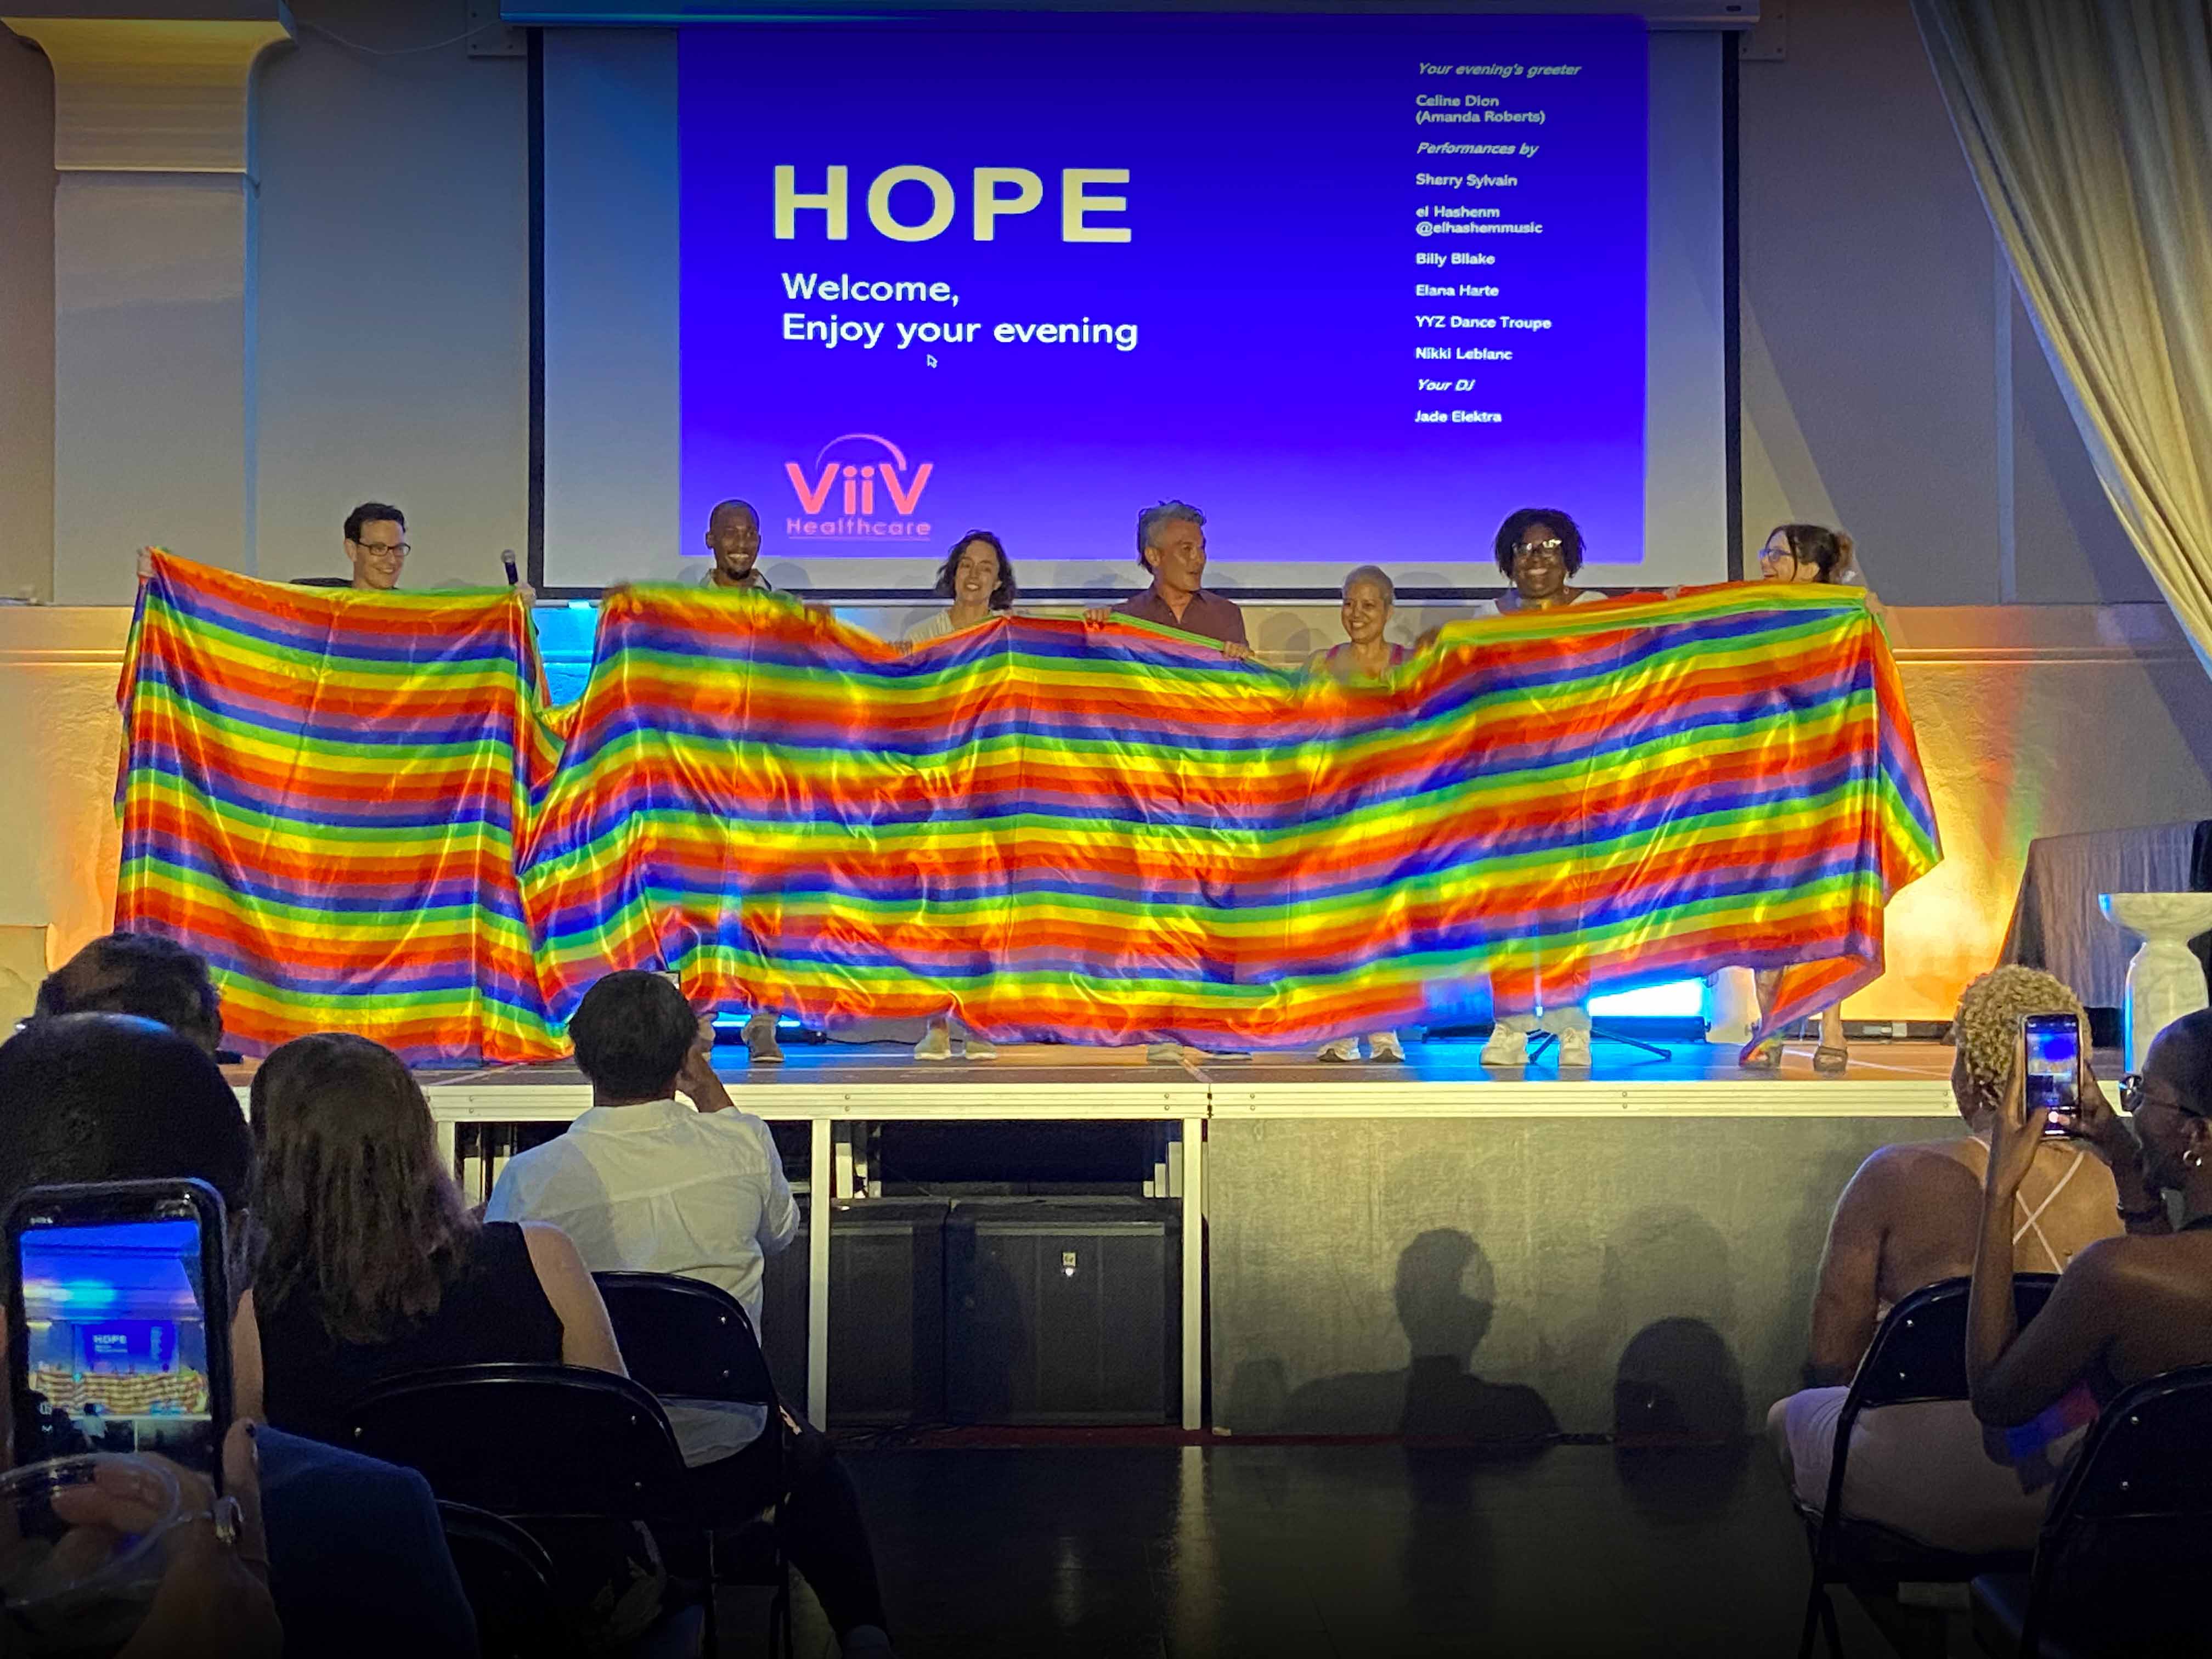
(1574, 1051)
(1508, 1045)
(1342, 1049)
(936, 1044)
(977, 1049)
(1383, 1046)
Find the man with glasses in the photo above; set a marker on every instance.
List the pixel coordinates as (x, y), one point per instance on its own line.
(376, 546)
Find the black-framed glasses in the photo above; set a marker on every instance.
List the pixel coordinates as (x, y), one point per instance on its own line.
(1551, 546)
(398, 550)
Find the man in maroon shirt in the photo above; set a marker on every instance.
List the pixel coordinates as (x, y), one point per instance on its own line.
(1171, 544)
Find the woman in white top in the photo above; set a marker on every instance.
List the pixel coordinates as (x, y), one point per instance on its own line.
(1538, 549)
(978, 577)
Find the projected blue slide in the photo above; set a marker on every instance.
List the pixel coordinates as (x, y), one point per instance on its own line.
(1357, 287)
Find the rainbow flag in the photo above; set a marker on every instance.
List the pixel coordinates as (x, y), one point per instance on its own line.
(320, 792)
(1091, 836)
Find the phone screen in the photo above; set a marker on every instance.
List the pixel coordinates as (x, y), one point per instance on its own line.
(2054, 1058)
(115, 1355)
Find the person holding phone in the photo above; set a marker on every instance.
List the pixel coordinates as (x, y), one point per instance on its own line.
(213, 1600)
(357, 1561)
(2126, 1308)
(1906, 1220)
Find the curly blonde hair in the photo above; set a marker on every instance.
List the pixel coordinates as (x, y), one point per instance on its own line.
(1986, 1030)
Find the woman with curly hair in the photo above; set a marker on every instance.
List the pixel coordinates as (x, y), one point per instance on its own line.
(1908, 1218)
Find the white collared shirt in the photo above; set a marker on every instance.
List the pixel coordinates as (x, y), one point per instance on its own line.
(659, 1187)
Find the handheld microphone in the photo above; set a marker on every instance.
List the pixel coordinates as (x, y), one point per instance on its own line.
(507, 558)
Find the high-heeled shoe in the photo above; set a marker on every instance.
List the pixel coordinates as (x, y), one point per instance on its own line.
(1767, 1057)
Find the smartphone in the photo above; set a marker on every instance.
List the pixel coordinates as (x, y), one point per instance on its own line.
(118, 1322)
(2054, 1061)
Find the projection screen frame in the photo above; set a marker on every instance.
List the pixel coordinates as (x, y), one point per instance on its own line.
(1725, 29)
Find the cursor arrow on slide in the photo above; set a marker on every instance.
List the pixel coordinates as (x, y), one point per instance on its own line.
(931, 358)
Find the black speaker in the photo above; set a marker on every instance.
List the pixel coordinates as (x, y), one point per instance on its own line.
(1063, 1310)
(886, 1312)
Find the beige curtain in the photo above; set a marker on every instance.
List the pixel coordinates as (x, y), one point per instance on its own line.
(2088, 125)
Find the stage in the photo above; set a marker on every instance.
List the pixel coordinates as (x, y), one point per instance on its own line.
(1306, 1188)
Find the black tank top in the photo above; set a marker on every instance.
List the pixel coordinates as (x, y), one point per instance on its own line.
(494, 1309)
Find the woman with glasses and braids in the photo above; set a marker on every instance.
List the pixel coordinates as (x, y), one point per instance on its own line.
(1538, 550)
(1905, 1220)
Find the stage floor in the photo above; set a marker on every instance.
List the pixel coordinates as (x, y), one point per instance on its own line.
(883, 1080)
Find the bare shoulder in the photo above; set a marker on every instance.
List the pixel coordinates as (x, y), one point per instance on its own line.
(1911, 1163)
(1906, 1175)
(547, 1244)
(2127, 1261)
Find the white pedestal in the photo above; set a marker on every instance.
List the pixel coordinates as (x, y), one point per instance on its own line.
(2165, 980)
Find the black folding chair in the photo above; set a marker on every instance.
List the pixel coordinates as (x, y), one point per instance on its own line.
(2119, 1565)
(691, 1343)
(1919, 1354)
(548, 1447)
(508, 1579)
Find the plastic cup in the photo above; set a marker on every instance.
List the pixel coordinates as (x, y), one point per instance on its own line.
(80, 1552)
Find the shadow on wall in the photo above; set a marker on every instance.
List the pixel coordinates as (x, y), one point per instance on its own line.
(1680, 1446)
(1445, 1295)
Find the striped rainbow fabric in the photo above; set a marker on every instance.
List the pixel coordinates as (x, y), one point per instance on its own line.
(1091, 836)
(321, 793)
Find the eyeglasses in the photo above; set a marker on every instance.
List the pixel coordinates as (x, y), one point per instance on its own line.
(1776, 554)
(1551, 546)
(390, 550)
(2133, 1099)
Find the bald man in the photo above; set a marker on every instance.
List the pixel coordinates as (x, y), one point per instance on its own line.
(733, 537)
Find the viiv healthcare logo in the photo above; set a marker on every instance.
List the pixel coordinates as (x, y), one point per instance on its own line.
(861, 488)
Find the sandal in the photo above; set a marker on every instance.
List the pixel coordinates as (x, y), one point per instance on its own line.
(1767, 1057)
(1829, 1061)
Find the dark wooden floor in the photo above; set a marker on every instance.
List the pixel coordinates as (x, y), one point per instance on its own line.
(1289, 1551)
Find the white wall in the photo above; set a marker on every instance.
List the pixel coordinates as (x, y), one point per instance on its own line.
(27, 322)
(393, 271)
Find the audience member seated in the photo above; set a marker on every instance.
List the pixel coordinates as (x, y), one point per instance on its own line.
(357, 1558)
(644, 1182)
(142, 973)
(2127, 1308)
(1905, 1221)
(373, 1267)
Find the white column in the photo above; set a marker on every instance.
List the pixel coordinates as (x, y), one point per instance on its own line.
(153, 284)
